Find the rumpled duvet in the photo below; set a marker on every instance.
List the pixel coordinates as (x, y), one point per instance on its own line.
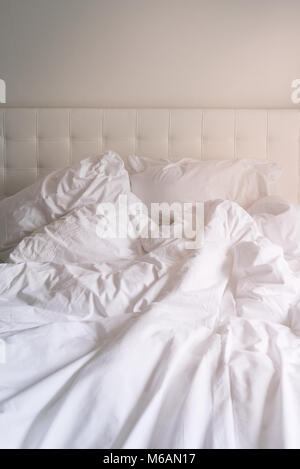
(171, 348)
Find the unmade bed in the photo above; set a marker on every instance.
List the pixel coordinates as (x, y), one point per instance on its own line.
(137, 341)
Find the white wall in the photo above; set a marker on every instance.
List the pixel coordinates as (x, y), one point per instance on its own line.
(220, 53)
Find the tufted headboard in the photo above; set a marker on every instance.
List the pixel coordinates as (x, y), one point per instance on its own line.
(34, 142)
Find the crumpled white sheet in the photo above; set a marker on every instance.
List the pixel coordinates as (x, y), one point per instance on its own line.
(177, 349)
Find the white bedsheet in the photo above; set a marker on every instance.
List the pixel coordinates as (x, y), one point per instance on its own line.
(176, 349)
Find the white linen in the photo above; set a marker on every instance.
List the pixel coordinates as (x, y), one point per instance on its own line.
(278, 221)
(81, 236)
(95, 179)
(177, 349)
(187, 180)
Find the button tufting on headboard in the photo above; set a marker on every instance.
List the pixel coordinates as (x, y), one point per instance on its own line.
(34, 142)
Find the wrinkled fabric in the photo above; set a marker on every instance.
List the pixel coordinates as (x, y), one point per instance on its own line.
(96, 179)
(85, 235)
(188, 180)
(176, 349)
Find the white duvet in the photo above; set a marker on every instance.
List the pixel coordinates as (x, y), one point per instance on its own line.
(170, 348)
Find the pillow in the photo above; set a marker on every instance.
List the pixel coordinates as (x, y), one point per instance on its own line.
(94, 179)
(279, 221)
(85, 235)
(187, 180)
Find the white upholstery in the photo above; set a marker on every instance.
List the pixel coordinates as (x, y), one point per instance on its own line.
(34, 142)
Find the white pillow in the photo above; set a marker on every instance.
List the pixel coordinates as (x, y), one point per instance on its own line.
(187, 180)
(279, 221)
(94, 179)
(77, 237)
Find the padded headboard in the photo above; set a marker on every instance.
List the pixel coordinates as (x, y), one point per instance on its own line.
(34, 142)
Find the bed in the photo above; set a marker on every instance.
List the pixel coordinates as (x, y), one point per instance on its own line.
(141, 343)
